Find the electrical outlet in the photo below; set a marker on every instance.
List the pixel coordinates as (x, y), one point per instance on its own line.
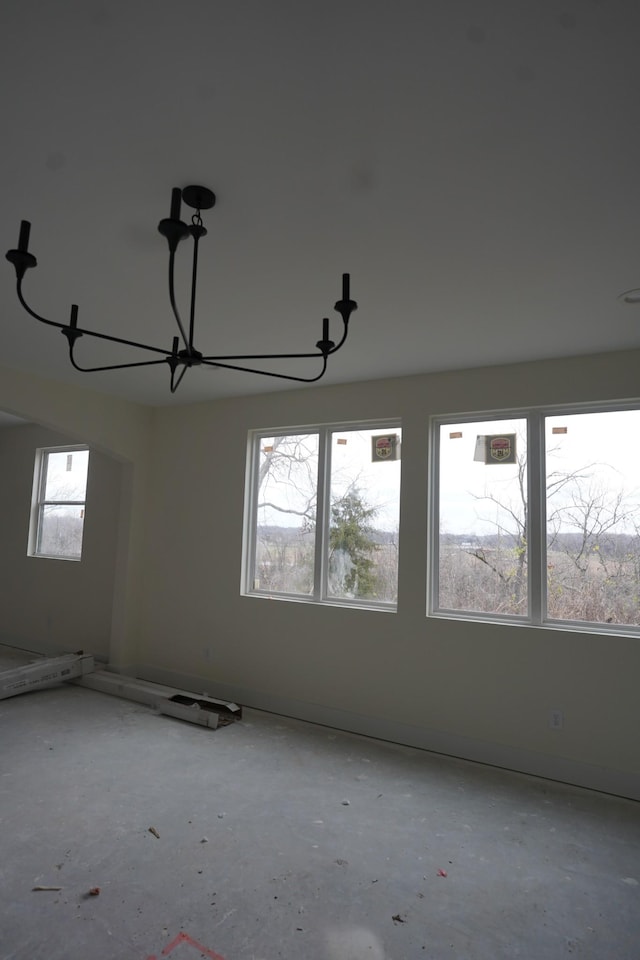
(556, 719)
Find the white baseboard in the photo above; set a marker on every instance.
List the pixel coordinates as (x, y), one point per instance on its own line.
(606, 780)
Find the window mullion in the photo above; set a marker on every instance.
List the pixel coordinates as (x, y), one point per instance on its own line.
(254, 474)
(434, 517)
(536, 524)
(44, 467)
(63, 503)
(321, 558)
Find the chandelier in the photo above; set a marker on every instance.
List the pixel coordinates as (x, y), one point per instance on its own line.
(183, 353)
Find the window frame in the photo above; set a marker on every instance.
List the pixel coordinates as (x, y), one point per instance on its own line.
(39, 501)
(537, 615)
(319, 594)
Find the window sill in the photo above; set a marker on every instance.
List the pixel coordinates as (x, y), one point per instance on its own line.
(342, 604)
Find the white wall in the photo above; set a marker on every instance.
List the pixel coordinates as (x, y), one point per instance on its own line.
(120, 430)
(54, 606)
(477, 690)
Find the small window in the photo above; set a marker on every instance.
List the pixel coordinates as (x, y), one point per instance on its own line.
(323, 514)
(60, 487)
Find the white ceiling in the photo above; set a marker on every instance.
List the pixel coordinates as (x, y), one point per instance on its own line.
(473, 165)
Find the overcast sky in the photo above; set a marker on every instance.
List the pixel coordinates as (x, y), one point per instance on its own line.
(607, 444)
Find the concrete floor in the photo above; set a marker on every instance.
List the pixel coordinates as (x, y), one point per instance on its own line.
(280, 839)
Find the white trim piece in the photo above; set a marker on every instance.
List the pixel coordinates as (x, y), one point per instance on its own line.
(47, 672)
(191, 713)
(159, 697)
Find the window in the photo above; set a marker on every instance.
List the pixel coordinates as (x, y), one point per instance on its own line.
(60, 486)
(322, 514)
(483, 562)
(536, 517)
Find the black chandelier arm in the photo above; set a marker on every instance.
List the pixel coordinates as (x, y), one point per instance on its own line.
(172, 298)
(36, 316)
(345, 308)
(112, 366)
(345, 334)
(264, 356)
(73, 328)
(175, 230)
(175, 384)
(269, 373)
(325, 349)
(194, 280)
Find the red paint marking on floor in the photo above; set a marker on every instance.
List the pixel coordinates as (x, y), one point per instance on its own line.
(185, 938)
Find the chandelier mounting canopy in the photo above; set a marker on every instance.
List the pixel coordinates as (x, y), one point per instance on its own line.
(183, 353)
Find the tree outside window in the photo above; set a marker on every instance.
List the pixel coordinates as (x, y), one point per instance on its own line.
(323, 517)
(567, 498)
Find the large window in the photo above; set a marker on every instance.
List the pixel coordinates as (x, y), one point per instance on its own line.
(60, 487)
(536, 517)
(322, 514)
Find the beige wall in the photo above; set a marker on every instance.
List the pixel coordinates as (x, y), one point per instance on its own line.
(121, 430)
(53, 606)
(476, 690)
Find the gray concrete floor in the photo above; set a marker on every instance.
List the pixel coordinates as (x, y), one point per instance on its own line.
(280, 839)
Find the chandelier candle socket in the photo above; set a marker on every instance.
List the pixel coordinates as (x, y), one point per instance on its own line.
(183, 353)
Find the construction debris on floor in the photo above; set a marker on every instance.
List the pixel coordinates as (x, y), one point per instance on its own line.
(45, 672)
